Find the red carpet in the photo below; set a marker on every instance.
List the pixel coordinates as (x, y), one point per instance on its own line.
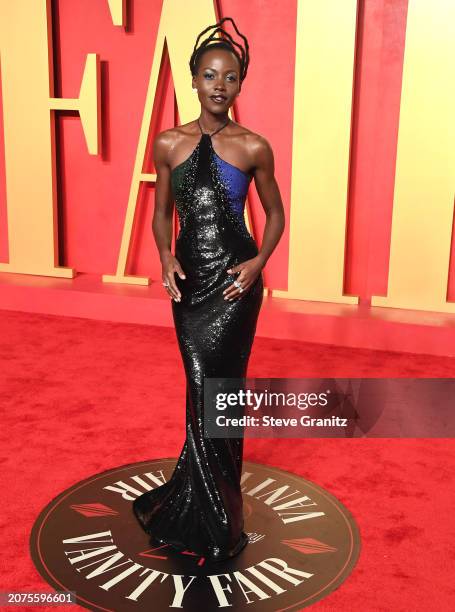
(82, 396)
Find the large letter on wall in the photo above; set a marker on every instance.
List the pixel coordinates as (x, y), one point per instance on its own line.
(324, 69)
(28, 119)
(425, 174)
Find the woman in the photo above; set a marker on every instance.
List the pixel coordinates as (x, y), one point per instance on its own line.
(216, 287)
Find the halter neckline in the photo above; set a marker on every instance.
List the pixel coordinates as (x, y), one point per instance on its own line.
(207, 141)
(215, 132)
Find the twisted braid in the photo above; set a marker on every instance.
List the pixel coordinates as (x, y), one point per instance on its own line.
(229, 44)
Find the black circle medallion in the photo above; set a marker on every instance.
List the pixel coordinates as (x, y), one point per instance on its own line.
(302, 544)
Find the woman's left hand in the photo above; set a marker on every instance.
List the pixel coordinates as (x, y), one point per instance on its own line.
(249, 271)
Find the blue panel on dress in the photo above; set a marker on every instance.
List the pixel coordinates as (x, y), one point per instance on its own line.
(236, 182)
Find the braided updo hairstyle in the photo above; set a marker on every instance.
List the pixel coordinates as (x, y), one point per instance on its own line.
(229, 44)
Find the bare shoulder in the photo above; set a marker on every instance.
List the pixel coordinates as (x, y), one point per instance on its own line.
(166, 141)
(259, 149)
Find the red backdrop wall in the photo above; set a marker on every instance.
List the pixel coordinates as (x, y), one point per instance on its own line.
(94, 190)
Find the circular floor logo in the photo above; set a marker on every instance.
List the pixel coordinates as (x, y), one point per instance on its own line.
(302, 544)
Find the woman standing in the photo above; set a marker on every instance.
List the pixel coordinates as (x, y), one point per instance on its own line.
(216, 286)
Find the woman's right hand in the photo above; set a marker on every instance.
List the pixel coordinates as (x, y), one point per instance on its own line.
(171, 265)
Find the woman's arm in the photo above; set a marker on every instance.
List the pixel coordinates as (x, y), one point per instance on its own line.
(269, 194)
(163, 214)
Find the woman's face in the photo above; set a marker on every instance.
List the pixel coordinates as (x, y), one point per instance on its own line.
(218, 80)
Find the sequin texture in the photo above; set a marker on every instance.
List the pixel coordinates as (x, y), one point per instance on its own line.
(201, 508)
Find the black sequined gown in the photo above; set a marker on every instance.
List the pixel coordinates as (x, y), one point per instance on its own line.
(200, 508)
